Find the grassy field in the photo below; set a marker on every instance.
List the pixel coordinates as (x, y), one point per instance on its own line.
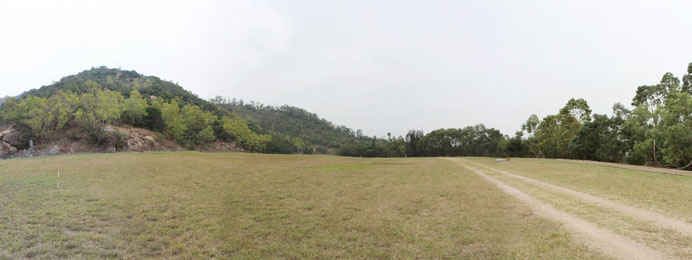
(252, 206)
(668, 195)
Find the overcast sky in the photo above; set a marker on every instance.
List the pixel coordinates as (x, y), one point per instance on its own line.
(378, 66)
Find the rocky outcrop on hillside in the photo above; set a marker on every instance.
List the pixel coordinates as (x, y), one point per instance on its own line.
(10, 135)
(6, 150)
(9, 139)
(140, 140)
(129, 139)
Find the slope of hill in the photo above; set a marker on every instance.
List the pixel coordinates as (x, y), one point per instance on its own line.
(294, 122)
(86, 107)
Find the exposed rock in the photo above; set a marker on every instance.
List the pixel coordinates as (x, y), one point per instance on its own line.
(7, 150)
(135, 144)
(140, 140)
(54, 150)
(75, 141)
(10, 136)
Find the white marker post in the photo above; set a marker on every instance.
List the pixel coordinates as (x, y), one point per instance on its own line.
(58, 179)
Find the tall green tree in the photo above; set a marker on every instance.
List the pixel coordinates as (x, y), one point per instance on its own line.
(134, 108)
(412, 139)
(175, 124)
(677, 131)
(646, 120)
(198, 125)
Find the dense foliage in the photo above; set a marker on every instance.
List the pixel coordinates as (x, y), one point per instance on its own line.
(96, 108)
(94, 99)
(292, 122)
(469, 141)
(123, 82)
(657, 131)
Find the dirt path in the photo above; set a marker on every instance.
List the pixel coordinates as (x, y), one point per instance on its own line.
(658, 219)
(631, 167)
(599, 239)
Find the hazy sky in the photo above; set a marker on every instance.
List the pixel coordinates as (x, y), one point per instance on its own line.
(374, 65)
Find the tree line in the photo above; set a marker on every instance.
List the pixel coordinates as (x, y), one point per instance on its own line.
(655, 131)
(469, 141)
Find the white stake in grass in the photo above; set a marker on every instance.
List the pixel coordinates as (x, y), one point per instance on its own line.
(58, 179)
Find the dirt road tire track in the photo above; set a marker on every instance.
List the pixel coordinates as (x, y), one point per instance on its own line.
(659, 220)
(596, 238)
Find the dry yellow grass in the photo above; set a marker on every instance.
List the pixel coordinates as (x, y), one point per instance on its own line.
(667, 194)
(251, 206)
(642, 190)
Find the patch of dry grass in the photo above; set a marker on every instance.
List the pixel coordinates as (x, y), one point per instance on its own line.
(662, 239)
(252, 206)
(666, 194)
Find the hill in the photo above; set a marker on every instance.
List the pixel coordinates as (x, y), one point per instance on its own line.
(123, 82)
(96, 107)
(294, 122)
(91, 105)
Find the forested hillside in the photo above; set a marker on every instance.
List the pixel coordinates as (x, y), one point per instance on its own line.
(292, 121)
(95, 99)
(120, 81)
(85, 105)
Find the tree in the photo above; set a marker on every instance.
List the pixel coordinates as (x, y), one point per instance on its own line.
(677, 131)
(62, 107)
(175, 124)
(154, 120)
(206, 136)
(599, 140)
(97, 109)
(646, 118)
(515, 147)
(10, 110)
(239, 131)
(547, 137)
(36, 115)
(134, 109)
(571, 117)
(412, 139)
(687, 80)
(532, 142)
(197, 120)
